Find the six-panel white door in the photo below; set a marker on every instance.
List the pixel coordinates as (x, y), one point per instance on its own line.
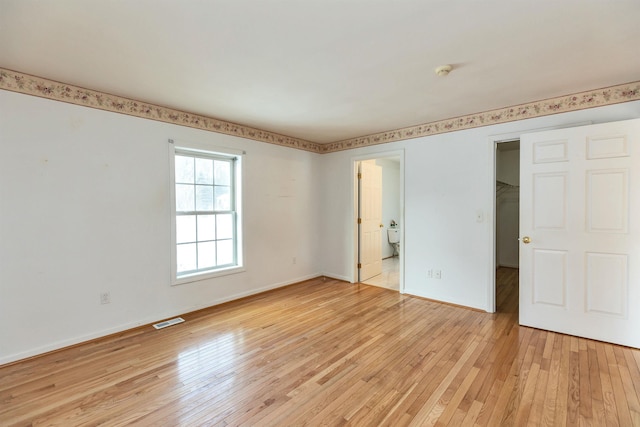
(580, 210)
(370, 202)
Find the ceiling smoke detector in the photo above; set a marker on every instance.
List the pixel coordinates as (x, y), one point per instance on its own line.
(443, 70)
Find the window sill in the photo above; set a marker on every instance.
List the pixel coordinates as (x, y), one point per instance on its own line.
(196, 277)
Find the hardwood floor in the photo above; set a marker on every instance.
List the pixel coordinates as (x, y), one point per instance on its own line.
(325, 352)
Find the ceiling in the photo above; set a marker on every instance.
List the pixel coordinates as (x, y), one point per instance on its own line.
(325, 70)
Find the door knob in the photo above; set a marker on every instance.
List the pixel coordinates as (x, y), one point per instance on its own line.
(381, 225)
(526, 240)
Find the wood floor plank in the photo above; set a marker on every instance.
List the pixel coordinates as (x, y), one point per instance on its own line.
(325, 352)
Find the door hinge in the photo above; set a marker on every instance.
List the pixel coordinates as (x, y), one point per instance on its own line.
(359, 175)
(359, 220)
(359, 265)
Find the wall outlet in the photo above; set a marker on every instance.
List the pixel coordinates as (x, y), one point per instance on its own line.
(437, 274)
(105, 298)
(429, 274)
(294, 260)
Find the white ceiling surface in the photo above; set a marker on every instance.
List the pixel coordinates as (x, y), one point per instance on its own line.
(325, 70)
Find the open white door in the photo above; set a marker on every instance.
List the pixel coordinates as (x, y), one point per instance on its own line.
(370, 219)
(580, 231)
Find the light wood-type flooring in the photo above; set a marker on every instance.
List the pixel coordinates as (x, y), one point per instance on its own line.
(326, 352)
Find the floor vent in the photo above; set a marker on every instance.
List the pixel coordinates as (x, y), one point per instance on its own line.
(170, 322)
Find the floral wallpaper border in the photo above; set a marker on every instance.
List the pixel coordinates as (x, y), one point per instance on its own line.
(579, 101)
(37, 86)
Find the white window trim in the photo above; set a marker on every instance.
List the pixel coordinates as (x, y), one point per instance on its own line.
(239, 178)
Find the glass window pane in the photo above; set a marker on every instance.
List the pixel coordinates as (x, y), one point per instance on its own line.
(204, 198)
(184, 198)
(185, 228)
(225, 226)
(204, 171)
(206, 227)
(186, 257)
(223, 198)
(225, 252)
(207, 240)
(184, 169)
(206, 255)
(223, 172)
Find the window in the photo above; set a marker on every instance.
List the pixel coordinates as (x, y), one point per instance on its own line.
(206, 228)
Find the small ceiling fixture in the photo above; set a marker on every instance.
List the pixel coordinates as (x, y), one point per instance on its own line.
(443, 70)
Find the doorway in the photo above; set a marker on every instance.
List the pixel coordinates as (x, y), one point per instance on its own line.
(390, 221)
(507, 209)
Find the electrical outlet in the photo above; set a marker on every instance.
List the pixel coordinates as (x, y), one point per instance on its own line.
(437, 274)
(105, 298)
(429, 274)
(294, 261)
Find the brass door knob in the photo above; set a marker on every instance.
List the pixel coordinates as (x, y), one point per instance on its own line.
(526, 240)
(381, 225)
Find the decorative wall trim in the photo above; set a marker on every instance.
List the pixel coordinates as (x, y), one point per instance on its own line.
(579, 101)
(37, 86)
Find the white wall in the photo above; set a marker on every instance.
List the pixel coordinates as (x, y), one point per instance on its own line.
(84, 209)
(448, 180)
(390, 200)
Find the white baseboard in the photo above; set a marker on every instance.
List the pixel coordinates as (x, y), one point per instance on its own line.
(338, 277)
(459, 303)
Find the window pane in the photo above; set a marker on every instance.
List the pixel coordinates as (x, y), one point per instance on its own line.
(204, 171)
(225, 252)
(223, 198)
(204, 239)
(184, 169)
(225, 226)
(186, 257)
(223, 172)
(184, 198)
(206, 227)
(204, 198)
(185, 228)
(206, 255)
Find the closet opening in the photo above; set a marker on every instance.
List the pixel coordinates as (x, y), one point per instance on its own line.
(507, 211)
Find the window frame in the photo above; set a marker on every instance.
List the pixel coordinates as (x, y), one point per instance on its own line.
(206, 150)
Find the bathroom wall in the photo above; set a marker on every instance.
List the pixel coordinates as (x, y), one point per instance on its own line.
(390, 199)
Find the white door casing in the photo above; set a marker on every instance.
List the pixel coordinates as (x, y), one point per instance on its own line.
(370, 208)
(580, 207)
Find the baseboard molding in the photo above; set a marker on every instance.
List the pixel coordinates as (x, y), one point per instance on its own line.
(338, 277)
(459, 304)
(62, 344)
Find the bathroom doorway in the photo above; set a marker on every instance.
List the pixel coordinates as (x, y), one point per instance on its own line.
(392, 197)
